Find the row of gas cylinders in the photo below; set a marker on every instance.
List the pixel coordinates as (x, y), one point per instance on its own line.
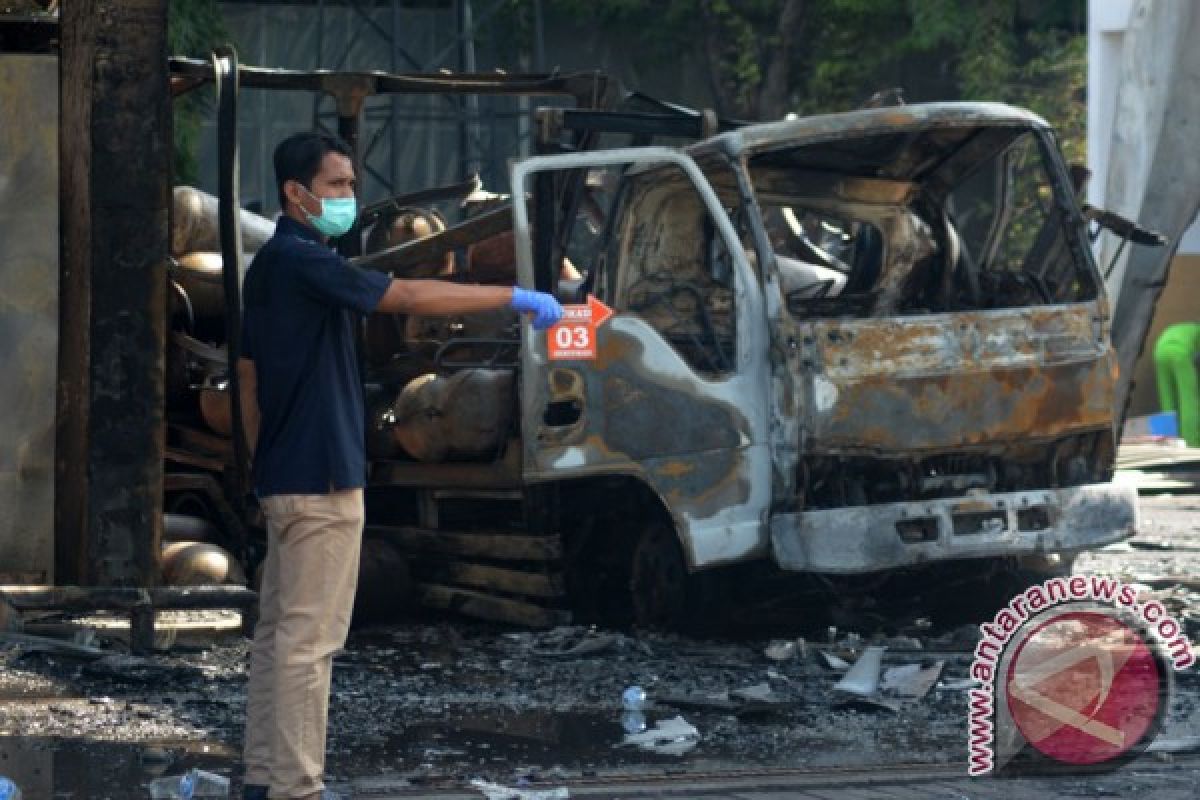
(191, 557)
(465, 415)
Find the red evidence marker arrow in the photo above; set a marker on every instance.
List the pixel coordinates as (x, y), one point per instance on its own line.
(600, 312)
(574, 337)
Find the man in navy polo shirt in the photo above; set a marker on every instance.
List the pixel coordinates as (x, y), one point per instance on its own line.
(303, 406)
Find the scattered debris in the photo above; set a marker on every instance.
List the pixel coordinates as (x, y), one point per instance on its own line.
(1182, 744)
(193, 783)
(758, 693)
(862, 679)
(833, 662)
(572, 642)
(902, 643)
(911, 680)
(786, 649)
(674, 736)
(859, 687)
(494, 791)
(493, 702)
(46, 644)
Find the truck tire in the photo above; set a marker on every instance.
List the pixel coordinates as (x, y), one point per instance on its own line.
(662, 593)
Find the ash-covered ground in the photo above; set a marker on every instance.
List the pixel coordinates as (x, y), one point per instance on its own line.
(443, 702)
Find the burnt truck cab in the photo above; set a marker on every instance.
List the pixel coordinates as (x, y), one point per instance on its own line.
(846, 343)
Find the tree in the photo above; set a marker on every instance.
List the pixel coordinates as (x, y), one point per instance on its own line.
(194, 28)
(750, 54)
(769, 57)
(750, 44)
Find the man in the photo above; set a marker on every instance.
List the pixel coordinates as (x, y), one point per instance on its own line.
(303, 407)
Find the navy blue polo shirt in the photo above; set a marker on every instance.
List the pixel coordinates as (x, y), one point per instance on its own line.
(301, 305)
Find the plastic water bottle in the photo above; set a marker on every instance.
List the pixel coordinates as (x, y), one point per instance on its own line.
(633, 721)
(193, 783)
(633, 698)
(9, 790)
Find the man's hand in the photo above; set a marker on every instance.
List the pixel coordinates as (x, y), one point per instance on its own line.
(545, 309)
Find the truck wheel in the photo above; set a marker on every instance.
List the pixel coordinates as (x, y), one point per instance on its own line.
(659, 582)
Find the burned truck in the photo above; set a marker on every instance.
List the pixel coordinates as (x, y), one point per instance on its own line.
(859, 344)
(846, 344)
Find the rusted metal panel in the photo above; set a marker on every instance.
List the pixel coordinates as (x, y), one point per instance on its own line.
(948, 380)
(28, 311)
(867, 538)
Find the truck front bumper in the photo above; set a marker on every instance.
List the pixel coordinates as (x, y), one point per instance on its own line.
(869, 538)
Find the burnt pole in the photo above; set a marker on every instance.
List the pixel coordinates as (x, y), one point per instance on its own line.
(115, 149)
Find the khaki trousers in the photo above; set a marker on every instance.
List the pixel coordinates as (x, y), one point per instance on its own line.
(307, 594)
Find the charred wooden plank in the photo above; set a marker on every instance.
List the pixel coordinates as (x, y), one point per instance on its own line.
(193, 460)
(484, 544)
(511, 581)
(485, 606)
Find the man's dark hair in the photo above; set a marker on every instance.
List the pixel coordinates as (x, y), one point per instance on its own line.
(298, 158)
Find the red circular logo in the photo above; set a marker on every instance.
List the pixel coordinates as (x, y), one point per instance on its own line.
(1083, 688)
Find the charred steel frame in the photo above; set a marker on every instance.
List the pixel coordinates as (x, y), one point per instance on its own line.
(593, 93)
(350, 91)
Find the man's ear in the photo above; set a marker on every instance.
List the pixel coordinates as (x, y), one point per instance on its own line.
(294, 192)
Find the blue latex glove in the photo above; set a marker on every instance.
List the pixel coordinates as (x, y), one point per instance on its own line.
(545, 309)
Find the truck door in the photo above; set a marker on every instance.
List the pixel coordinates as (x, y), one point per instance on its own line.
(672, 388)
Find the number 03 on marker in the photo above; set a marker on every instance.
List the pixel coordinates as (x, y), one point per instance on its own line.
(574, 337)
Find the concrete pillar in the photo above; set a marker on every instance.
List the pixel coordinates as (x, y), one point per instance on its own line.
(115, 150)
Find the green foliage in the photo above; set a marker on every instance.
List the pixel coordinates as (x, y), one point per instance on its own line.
(1028, 54)
(1052, 82)
(194, 28)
